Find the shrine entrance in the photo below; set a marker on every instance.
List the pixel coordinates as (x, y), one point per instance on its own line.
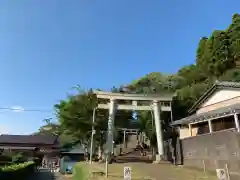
(50, 159)
(156, 103)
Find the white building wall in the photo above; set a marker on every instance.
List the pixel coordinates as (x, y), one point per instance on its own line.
(220, 99)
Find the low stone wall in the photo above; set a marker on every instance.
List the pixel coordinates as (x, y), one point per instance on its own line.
(212, 151)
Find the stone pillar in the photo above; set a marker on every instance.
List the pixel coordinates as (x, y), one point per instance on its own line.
(138, 138)
(236, 122)
(159, 134)
(124, 138)
(190, 129)
(111, 117)
(210, 126)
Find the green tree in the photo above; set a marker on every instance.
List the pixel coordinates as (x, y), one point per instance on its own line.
(75, 116)
(231, 75)
(49, 128)
(19, 158)
(152, 83)
(191, 74)
(234, 38)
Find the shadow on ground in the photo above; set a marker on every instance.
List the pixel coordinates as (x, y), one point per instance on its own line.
(42, 174)
(133, 157)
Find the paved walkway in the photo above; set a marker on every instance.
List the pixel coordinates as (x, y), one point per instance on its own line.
(59, 176)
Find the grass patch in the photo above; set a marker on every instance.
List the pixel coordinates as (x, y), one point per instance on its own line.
(80, 172)
(85, 171)
(140, 171)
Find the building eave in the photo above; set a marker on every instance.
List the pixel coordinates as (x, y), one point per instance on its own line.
(214, 114)
(217, 86)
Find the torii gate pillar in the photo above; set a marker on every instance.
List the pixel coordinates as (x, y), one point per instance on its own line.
(111, 118)
(159, 133)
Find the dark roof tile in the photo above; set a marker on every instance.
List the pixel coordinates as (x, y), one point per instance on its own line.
(208, 115)
(28, 139)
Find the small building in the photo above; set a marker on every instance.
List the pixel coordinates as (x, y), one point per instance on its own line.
(210, 135)
(42, 146)
(41, 143)
(218, 109)
(70, 157)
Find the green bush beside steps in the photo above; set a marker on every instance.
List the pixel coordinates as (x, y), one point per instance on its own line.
(19, 171)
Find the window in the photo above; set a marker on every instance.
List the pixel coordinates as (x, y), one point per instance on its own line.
(166, 103)
(223, 123)
(202, 128)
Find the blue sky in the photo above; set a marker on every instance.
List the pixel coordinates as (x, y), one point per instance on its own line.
(47, 47)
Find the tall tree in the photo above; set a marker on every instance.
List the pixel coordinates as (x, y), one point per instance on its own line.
(75, 114)
(231, 75)
(234, 38)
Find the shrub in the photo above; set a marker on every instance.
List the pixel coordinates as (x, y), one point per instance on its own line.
(19, 158)
(5, 160)
(37, 161)
(80, 171)
(17, 171)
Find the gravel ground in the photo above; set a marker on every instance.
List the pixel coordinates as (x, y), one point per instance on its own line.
(143, 167)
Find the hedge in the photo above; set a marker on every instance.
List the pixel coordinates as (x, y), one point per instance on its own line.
(17, 171)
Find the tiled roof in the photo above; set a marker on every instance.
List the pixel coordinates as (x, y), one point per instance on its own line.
(208, 115)
(28, 139)
(18, 148)
(218, 85)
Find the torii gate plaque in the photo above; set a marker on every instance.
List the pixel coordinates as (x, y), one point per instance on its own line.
(158, 103)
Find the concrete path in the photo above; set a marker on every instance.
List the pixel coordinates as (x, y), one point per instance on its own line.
(45, 174)
(59, 176)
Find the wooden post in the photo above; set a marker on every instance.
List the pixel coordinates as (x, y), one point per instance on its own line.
(171, 112)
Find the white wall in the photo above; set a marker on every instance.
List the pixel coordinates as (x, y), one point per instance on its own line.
(219, 99)
(221, 95)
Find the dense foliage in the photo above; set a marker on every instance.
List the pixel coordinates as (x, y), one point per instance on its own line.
(217, 58)
(16, 166)
(17, 171)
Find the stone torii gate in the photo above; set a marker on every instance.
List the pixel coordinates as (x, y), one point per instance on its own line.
(157, 103)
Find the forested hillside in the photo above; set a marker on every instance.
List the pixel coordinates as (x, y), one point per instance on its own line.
(217, 57)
